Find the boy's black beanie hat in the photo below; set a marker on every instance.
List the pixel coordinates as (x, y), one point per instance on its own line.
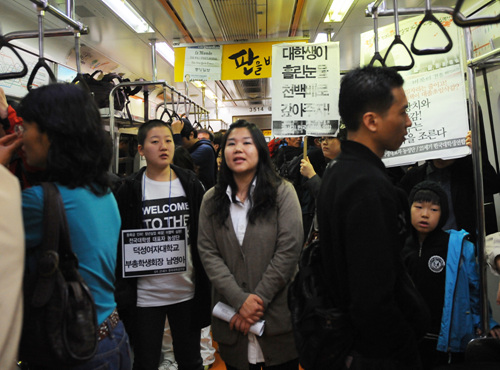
(437, 189)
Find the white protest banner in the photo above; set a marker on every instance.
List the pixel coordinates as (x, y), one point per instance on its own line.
(305, 89)
(436, 107)
(435, 89)
(149, 252)
(203, 63)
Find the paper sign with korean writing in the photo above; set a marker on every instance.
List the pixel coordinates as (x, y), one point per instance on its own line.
(435, 89)
(149, 252)
(305, 89)
(438, 111)
(203, 63)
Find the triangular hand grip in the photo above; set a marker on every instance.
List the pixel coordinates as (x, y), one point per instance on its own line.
(10, 75)
(79, 80)
(41, 64)
(397, 41)
(376, 57)
(472, 22)
(429, 17)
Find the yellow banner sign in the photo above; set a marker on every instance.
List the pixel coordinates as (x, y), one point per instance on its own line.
(240, 61)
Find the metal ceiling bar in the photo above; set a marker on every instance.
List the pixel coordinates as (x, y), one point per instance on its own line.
(17, 35)
(177, 20)
(60, 15)
(413, 11)
(299, 6)
(485, 59)
(246, 99)
(115, 161)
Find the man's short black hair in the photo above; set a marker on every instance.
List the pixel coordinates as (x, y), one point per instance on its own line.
(188, 128)
(367, 89)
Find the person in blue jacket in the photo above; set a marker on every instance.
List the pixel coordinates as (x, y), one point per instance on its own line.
(444, 268)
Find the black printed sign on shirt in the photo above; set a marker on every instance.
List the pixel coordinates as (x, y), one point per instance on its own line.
(161, 247)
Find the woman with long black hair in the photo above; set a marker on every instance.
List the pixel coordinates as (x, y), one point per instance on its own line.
(63, 135)
(250, 237)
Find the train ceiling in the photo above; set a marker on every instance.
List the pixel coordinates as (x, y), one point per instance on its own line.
(201, 21)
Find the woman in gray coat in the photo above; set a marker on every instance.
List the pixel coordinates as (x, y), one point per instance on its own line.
(250, 236)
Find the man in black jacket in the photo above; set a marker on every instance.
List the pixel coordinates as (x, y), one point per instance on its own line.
(363, 222)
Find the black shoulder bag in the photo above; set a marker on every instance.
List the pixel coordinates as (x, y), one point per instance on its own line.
(323, 332)
(60, 321)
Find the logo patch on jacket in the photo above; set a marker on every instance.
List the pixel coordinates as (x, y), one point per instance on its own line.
(436, 264)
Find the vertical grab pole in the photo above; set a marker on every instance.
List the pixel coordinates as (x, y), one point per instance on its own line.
(77, 53)
(478, 182)
(153, 59)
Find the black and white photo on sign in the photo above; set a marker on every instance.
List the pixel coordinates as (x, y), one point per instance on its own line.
(305, 85)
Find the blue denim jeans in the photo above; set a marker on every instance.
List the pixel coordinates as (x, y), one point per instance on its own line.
(113, 352)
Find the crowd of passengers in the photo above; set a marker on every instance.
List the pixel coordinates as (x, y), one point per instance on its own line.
(382, 232)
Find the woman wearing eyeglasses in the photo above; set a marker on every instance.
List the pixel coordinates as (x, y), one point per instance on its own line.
(331, 149)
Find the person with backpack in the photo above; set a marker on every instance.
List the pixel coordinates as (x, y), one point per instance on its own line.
(201, 150)
(250, 238)
(64, 135)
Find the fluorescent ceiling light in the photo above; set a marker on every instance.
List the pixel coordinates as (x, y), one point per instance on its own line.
(322, 37)
(199, 84)
(338, 10)
(166, 52)
(209, 94)
(129, 15)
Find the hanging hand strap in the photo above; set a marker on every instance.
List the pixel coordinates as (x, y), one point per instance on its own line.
(79, 80)
(429, 17)
(376, 56)
(10, 75)
(472, 22)
(42, 64)
(397, 41)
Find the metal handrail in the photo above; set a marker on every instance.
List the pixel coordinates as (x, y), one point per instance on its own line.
(115, 161)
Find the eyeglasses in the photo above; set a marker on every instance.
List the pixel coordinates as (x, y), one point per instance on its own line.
(19, 129)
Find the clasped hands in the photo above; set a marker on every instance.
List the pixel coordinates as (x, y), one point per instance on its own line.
(250, 312)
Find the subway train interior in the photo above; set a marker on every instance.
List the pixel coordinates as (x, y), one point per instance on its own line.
(160, 46)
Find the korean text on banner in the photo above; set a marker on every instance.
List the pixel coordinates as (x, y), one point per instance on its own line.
(435, 89)
(203, 63)
(437, 108)
(305, 86)
(148, 252)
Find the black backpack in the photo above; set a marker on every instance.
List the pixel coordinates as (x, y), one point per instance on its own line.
(60, 321)
(290, 170)
(322, 332)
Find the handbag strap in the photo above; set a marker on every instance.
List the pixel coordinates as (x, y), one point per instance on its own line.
(55, 249)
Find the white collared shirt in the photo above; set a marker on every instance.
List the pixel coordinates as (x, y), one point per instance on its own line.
(239, 217)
